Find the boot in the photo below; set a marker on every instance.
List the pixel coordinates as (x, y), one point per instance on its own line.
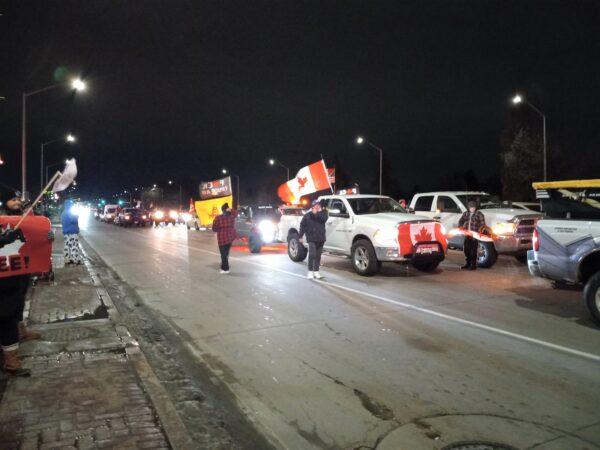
(12, 364)
(27, 335)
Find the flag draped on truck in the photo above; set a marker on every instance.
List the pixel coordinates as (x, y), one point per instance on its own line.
(310, 179)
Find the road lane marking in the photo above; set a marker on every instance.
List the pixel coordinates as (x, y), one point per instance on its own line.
(448, 317)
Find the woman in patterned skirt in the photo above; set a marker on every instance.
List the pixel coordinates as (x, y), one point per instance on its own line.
(70, 229)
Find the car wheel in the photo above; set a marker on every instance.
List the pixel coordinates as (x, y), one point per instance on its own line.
(486, 254)
(254, 244)
(591, 295)
(522, 258)
(296, 250)
(429, 266)
(364, 258)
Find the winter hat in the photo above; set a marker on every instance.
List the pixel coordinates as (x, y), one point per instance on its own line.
(225, 207)
(472, 204)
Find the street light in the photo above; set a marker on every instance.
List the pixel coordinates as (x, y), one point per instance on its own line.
(274, 161)
(225, 172)
(69, 138)
(77, 85)
(517, 99)
(360, 140)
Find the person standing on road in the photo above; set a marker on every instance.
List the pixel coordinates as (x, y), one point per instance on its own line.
(471, 220)
(70, 230)
(224, 226)
(313, 226)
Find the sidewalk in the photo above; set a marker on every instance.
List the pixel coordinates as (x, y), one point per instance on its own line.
(90, 385)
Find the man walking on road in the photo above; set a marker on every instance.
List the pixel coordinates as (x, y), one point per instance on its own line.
(313, 226)
(471, 220)
(224, 226)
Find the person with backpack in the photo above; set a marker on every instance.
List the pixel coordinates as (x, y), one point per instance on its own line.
(313, 226)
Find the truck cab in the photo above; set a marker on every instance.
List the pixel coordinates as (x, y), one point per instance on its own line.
(566, 245)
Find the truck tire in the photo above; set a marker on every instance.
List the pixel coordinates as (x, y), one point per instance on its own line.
(254, 243)
(486, 255)
(591, 295)
(429, 266)
(364, 258)
(296, 251)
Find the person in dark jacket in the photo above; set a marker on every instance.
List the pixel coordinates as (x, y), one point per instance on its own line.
(471, 220)
(313, 226)
(70, 230)
(224, 226)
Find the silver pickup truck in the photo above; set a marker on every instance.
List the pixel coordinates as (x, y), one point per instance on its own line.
(566, 244)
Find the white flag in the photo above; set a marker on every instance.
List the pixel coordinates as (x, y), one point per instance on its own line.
(66, 177)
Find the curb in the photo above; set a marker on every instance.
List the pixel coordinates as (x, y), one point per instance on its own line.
(173, 427)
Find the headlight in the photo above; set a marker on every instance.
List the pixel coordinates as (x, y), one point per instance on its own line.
(144, 216)
(503, 228)
(173, 215)
(387, 234)
(186, 217)
(159, 215)
(267, 230)
(127, 217)
(443, 230)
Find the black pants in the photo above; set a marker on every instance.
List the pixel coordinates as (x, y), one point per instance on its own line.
(314, 255)
(224, 250)
(12, 302)
(470, 248)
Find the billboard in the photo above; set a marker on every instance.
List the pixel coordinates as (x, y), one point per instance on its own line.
(216, 188)
(207, 210)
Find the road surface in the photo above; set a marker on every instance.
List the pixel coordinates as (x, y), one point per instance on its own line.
(400, 360)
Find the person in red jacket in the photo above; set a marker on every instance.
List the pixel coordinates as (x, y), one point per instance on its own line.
(224, 226)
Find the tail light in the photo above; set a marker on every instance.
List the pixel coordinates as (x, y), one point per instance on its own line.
(536, 240)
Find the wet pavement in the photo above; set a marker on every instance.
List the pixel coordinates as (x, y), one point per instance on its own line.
(400, 360)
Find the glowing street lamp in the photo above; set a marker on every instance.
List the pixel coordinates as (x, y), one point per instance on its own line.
(360, 140)
(517, 99)
(78, 84)
(274, 161)
(69, 139)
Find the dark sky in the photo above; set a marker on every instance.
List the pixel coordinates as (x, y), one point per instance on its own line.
(180, 89)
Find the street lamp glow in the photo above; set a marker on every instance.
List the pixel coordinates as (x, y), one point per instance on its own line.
(154, 185)
(78, 84)
(517, 99)
(272, 162)
(359, 140)
(70, 138)
(170, 182)
(224, 171)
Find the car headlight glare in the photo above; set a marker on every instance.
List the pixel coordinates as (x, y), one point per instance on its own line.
(173, 215)
(186, 217)
(267, 230)
(159, 215)
(503, 228)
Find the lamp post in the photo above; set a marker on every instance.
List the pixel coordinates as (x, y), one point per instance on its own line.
(69, 138)
(360, 140)
(225, 172)
(274, 161)
(518, 99)
(77, 85)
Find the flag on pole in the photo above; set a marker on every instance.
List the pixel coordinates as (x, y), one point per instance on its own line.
(309, 179)
(66, 177)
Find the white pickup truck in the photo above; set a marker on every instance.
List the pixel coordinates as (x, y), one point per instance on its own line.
(566, 244)
(372, 229)
(511, 228)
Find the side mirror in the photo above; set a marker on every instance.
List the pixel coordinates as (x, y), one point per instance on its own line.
(335, 211)
(410, 210)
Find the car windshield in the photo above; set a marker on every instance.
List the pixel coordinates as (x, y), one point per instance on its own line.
(374, 205)
(485, 201)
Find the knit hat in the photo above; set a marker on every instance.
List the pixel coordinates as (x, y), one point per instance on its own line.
(472, 204)
(225, 207)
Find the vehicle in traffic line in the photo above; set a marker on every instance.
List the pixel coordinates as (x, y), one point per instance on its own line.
(191, 220)
(566, 243)
(110, 213)
(258, 225)
(371, 230)
(164, 217)
(128, 217)
(510, 228)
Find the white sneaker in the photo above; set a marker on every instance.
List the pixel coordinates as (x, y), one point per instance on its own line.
(224, 271)
(310, 275)
(318, 276)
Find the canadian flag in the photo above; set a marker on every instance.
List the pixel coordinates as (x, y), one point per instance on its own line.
(309, 179)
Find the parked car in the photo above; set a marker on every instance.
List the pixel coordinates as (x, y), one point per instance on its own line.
(510, 228)
(128, 217)
(258, 225)
(288, 220)
(566, 244)
(372, 229)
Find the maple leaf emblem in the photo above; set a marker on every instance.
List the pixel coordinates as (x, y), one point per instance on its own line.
(302, 181)
(423, 235)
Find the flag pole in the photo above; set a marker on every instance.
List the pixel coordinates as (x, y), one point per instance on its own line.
(39, 197)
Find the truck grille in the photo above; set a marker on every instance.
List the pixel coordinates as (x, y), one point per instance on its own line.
(526, 226)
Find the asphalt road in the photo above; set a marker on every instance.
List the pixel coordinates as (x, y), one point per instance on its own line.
(402, 360)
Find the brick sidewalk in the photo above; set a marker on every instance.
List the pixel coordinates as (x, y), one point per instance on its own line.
(84, 391)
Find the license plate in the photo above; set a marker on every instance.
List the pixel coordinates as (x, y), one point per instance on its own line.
(427, 249)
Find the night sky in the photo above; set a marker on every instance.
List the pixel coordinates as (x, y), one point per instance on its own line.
(179, 89)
